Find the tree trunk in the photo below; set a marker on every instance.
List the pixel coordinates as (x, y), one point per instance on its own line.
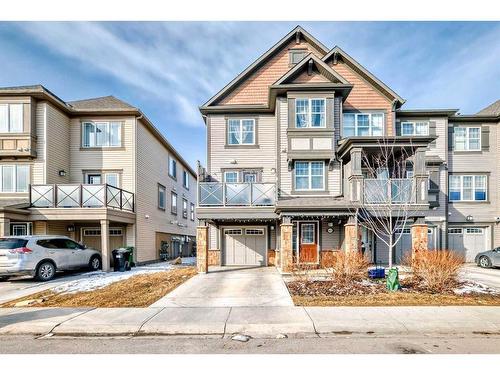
(390, 242)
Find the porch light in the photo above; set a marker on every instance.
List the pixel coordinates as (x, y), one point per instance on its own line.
(62, 173)
(469, 218)
(70, 228)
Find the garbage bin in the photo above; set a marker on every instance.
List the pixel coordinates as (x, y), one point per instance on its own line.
(119, 260)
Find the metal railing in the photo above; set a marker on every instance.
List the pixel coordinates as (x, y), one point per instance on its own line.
(236, 194)
(383, 191)
(81, 195)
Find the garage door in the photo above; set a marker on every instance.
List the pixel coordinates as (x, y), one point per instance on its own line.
(467, 241)
(403, 247)
(91, 237)
(244, 246)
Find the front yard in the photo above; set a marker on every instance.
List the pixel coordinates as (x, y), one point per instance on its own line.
(140, 287)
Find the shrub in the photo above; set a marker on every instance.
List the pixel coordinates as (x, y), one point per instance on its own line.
(436, 271)
(347, 267)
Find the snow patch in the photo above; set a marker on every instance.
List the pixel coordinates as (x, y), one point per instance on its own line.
(474, 288)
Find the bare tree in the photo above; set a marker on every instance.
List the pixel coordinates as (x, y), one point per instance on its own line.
(388, 195)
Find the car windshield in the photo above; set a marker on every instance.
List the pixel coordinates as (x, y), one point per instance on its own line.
(12, 243)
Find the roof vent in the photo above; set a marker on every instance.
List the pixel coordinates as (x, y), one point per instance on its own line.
(310, 67)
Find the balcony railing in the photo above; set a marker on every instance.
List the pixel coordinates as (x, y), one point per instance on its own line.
(239, 194)
(81, 195)
(384, 191)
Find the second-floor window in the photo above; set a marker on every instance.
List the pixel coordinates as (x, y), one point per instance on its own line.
(231, 177)
(101, 134)
(14, 178)
(363, 124)
(467, 188)
(11, 118)
(241, 132)
(310, 113)
(161, 197)
(184, 208)
(192, 211)
(173, 203)
(414, 128)
(309, 175)
(467, 138)
(172, 167)
(185, 179)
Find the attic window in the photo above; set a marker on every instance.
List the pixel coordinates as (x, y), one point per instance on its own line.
(296, 55)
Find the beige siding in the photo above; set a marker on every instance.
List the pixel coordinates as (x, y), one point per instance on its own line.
(152, 168)
(57, 146)
(38, 171)
(285, 177)
(330, 241)
(212, 236)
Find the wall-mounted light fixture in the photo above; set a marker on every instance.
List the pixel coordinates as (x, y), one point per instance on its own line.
(469, 218)
(62, 173)
(70, 228)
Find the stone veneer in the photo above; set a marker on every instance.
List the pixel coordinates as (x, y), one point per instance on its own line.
(419, 239)
(214, 257)
(326, 257)
(350, 243)
(202, 249)
(286, 248)
(271, 257)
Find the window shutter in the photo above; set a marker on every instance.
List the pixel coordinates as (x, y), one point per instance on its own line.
(432, 132)
(398, 128)
(291, 113)
(485, 138)
(450, 138)
(329, 113)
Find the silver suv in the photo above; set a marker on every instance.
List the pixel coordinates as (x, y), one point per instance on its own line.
(42, 256)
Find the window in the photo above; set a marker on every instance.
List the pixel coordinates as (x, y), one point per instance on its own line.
(184, 208)
(241, 132)
(307, 233)
(310, 113)
(309, 175)
(455, 230)
(116, 232)
(94, 179)
(467, 138)
(185, 179)
(472, 230)
(11, 118)
(297, 55)
(172, 167)
(96, 232)
(192, 211)
(237, 232)
(173, 202)
(14, 178)
(112, 179)
(249, 176)
(467, 188)
(101, 134)
(161, 197)
(414, 128)
(231, 177)
(363, 124)
(254, 232)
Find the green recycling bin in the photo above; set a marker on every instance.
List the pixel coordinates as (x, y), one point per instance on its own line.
(392, 282)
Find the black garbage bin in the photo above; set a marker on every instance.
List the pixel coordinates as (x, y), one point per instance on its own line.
(119, 260)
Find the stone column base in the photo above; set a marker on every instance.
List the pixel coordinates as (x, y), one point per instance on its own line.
(352, 237)
(286, 250)
(202, 249)
(419, 238)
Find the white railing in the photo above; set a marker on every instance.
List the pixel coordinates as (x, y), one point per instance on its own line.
(383, 191)
(237, 194)
(81, 195)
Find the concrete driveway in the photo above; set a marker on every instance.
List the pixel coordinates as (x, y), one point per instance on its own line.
(230, 287)
(487, 276)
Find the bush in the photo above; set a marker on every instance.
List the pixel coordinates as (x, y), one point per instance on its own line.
(347, 267)
(436, 271)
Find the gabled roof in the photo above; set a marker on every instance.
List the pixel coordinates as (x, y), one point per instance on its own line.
(265, 57)
(491, 110)
(381, 85)
(104, 103)
(322, 67)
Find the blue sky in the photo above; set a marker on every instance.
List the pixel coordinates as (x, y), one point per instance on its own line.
(169, 69)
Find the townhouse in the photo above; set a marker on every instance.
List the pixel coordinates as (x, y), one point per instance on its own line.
(96, 170)
(287, 141)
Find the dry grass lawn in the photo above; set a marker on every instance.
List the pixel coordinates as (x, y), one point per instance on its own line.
(399, 299)
(136, 291)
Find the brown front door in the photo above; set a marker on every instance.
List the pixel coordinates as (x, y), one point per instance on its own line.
(308, 245)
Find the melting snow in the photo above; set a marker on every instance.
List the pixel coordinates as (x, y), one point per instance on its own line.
(476, 288)
(99, 279)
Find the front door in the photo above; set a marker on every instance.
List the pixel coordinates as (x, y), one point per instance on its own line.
(308, 243)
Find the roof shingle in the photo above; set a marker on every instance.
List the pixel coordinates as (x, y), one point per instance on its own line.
(491, 110)
(101, 103)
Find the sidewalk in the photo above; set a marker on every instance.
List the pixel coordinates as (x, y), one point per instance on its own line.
(254, 321)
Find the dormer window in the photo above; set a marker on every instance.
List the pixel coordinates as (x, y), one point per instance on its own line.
(310, 113)
(296, 55)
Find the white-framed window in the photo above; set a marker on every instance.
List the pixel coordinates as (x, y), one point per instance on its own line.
(237, 232)
(254, 232)
(474, 230)
(161, 197)
(241, 131)
(363, 124)
(173, 203)
(14, 178)
(101, 134)
(296, 55)
(96, 232)
(467, 188)
(467, 138)
(113, 179)
(310, 113)
(11, 118)
(455, 230)
(249, 176)
(409, 128)
(185, 179)
(172, 167)
(309, 175)
(231, 177)
(192, 211)
(184, 208)
(307, 233)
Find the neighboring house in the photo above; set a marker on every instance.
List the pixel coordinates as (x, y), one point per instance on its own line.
(284, 168)
(96, 170)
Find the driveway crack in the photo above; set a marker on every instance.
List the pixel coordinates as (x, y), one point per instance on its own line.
(312, 321)
(148, 319)
(225, 323)
(67, 320)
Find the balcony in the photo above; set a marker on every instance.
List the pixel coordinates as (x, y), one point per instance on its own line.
(252, 194)
(81, 196)
(388, 191)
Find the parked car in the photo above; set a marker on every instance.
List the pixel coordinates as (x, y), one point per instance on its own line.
(487, 259)
(42, 256)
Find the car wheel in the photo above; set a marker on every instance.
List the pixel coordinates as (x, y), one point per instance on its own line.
(484, 262)
(95, 263)
(45, 271)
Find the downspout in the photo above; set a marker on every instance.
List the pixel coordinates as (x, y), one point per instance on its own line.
(137, 118)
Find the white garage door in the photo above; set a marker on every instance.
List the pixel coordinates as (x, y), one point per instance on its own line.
(403, 247)
(244, 247)
(468, 241)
